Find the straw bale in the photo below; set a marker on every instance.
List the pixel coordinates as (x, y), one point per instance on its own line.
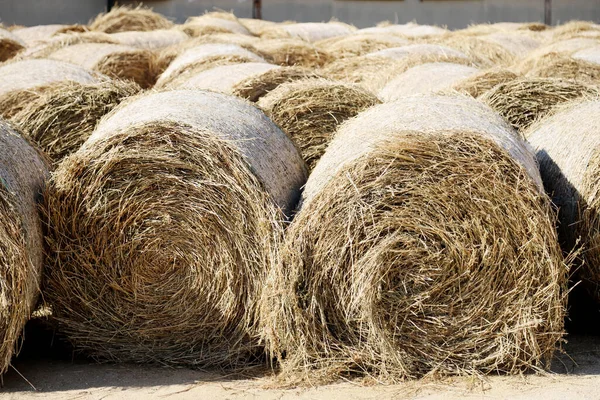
(573, 29)
(10, 45)
(518, 44)
(407, 30)
(66, 112)
(360, 44)
(556, 66)
(590, 54)
(486, 53)
(522, 101)
(256, 86)
(162, 227)
(114, 60)
(424, 78)
(40, 33)
(208, 25)
(150, 40)
(123, 18)
(563, 48)
(22, 177)
(310, 111)
(423, 50)
(292, 52)
(422, 247)
(256, 26)
(308, 31)
(43, 49)
(476, 85)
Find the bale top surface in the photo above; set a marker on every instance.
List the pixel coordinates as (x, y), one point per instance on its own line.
(224, 78)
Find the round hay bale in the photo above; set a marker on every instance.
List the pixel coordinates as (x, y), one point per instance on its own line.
(476, 85)
(556, 66)
(256, 86)
(17, 79)
(123, 18)
(486, 53)
(308, 31)
(425, 78)
(485, 29)
(360, 44)
(40, 33)
(574, 29)
(66, 112)
(10, 45)
(407, 30)
(202, 55)
(45, 48)
(590, 54)
(22, 178)
(310, 111)
(224, 78)
(150, 40)
(567, 145)
(423, 50)
(422, 247)
(256, 26)
(292, 52)
(522, 101)
(162, 228)
(114, 60)
(560, 48)
(208, 25)
(519, 45)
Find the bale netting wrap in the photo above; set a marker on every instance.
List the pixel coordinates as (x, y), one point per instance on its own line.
(65, 113)
(360, 44)
(207, 25)
(567, 145)
(33, 34)
(310, 111)
(423, 50)
(17, 79)
(308, 31)
(557, 66)
(524, 100)
(256, 86)
(163, 226)
(203, 54)
(590, 54)
(426, 78)
(224, 78)
(438, 256)
(122, 19)
(292, 52)
(114, 60)
(478, 84)
(10, 45)
(150, 40)
(22, 178)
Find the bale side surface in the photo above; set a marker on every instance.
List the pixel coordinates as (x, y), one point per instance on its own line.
(10, 45)
(557, 66)
(122, 19)
(360, 44)
(476, 85)
(150, 40)
(255, 87)
(292, 52)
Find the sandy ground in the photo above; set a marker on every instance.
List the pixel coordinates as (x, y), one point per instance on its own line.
(575, 376)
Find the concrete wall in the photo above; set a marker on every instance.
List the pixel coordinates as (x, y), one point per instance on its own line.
(452, 13)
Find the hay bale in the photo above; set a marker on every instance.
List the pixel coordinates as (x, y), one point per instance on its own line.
(66, 112)
(256, 86)
(208, 25)
(43, 49)
(556, 66)
(10, 45)
(17, 79)
(22, 178)
(360, 44)
(425, 78)
(173, 201)
(567, 145)
(205, 54)
(522, 101)
(40, 33)
(422, 247)
(256, 26)
(150, 40)
(422, 50)
(574, 29)
(408, 30)
(114, 60)
(485, 53)
(308, 31)
(555, 49)
(123, 18)
(590, 54)
(224, 78)
(476, 85)
(292, 52)
(310, 111)
(486, 29)
(519, 45)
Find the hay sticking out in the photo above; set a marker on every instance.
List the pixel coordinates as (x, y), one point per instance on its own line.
(204, 54)
(310, 111)
(10, 45)
(360, 44)
(292, 52)
(422, 50)
(568, 149)
(425, 78)
(122, 19)
(40, 33)
(476, 85)
(66, 113)
(208, 25)
(389, 269)
(22, 178)
(308, 31)
(150, 40)
(116, 61)
(17, 79)
(184, 229)
(524, 100)
(223, 79)
(256, 86)
(556, 66)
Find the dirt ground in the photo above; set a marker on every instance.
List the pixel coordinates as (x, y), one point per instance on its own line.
(576, 375)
